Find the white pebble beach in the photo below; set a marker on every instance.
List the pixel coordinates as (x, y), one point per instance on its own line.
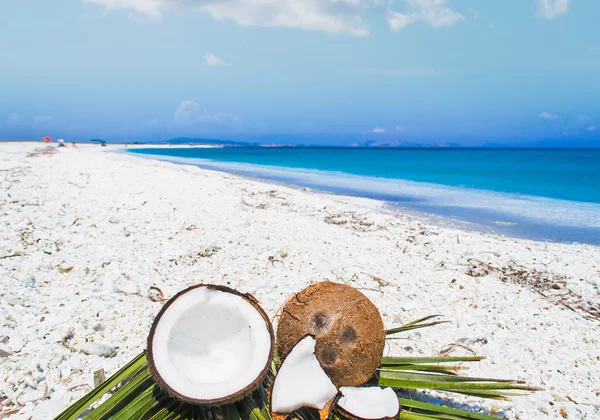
(86, 232)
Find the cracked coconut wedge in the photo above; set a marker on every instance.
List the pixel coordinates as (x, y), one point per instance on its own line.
(368, 403)
(301, 381)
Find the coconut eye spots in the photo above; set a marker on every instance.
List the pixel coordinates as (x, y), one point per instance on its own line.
(348, 336)
(320, 323)
(328, 355)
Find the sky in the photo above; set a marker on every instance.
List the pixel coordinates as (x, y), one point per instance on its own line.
(468, 72)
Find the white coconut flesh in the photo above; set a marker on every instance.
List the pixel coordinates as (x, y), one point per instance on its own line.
(301, 381)
(209, 344)
(369, 402)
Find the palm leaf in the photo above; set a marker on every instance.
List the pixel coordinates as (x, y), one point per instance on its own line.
(81, 405)
(419, 323)
(141, 398)
(431, 411)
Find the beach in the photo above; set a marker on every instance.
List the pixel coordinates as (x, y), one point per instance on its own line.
(90, 239)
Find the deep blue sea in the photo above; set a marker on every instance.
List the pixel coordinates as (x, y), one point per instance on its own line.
(545, 194)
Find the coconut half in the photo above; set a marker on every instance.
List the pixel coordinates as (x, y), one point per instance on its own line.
(301, 381)
(210, 345)
(346, 325)
(369, 403)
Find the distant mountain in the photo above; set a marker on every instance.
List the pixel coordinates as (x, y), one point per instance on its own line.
(215, 142)
(267, 142)
(401, 144)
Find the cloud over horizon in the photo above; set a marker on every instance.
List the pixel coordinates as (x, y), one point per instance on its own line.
(548, 116)
(332, 16)
(209, 59)
(433, 12)
(549, 9)
(190, 119)
(377, 130)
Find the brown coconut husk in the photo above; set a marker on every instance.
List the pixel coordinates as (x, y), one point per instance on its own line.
(348, 329)
(228, 399)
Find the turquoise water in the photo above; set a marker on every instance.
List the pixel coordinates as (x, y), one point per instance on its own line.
(543, 194)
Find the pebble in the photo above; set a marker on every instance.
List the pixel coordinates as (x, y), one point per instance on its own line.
(16, 343)
(98, 349)
(30, 282)
(56, 360)
(108, 285)
(13, 300)
(127, 289)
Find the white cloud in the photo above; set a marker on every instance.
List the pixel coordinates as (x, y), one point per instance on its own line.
(333, 16)
(433, 12)
(548, 116)
(191, 118)
(209, 59)
(397, 21)
(549, 9)
(377, 130)
(592, 128)
(398, 128)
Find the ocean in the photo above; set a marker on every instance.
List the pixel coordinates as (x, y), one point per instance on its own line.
(542, 194)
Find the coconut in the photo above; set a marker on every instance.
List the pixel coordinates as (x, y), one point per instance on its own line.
(301, 382)
(210, 345)
(347, 327)
(368, 403)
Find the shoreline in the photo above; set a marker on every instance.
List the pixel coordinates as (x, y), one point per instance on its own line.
(504, 222)
(102, 228)
(380, 205)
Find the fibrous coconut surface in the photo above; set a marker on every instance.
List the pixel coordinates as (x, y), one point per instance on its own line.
(348, 329)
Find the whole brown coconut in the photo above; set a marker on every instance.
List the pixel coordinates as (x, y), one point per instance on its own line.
(347, 327)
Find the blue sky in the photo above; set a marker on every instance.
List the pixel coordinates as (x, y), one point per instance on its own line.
(321, 71)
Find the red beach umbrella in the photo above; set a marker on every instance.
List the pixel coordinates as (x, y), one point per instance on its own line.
(47, 138)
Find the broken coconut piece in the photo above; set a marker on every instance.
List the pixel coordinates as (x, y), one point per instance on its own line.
(210, 345)
(346, 325)
(301, 381)
(368, 403)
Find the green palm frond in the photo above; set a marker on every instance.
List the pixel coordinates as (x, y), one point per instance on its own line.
(414, 325)
(75, 410)
(141, 398)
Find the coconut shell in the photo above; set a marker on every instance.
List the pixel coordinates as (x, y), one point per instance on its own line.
(336, 411)
(307, 413)
(347, 327)
(228, 399)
